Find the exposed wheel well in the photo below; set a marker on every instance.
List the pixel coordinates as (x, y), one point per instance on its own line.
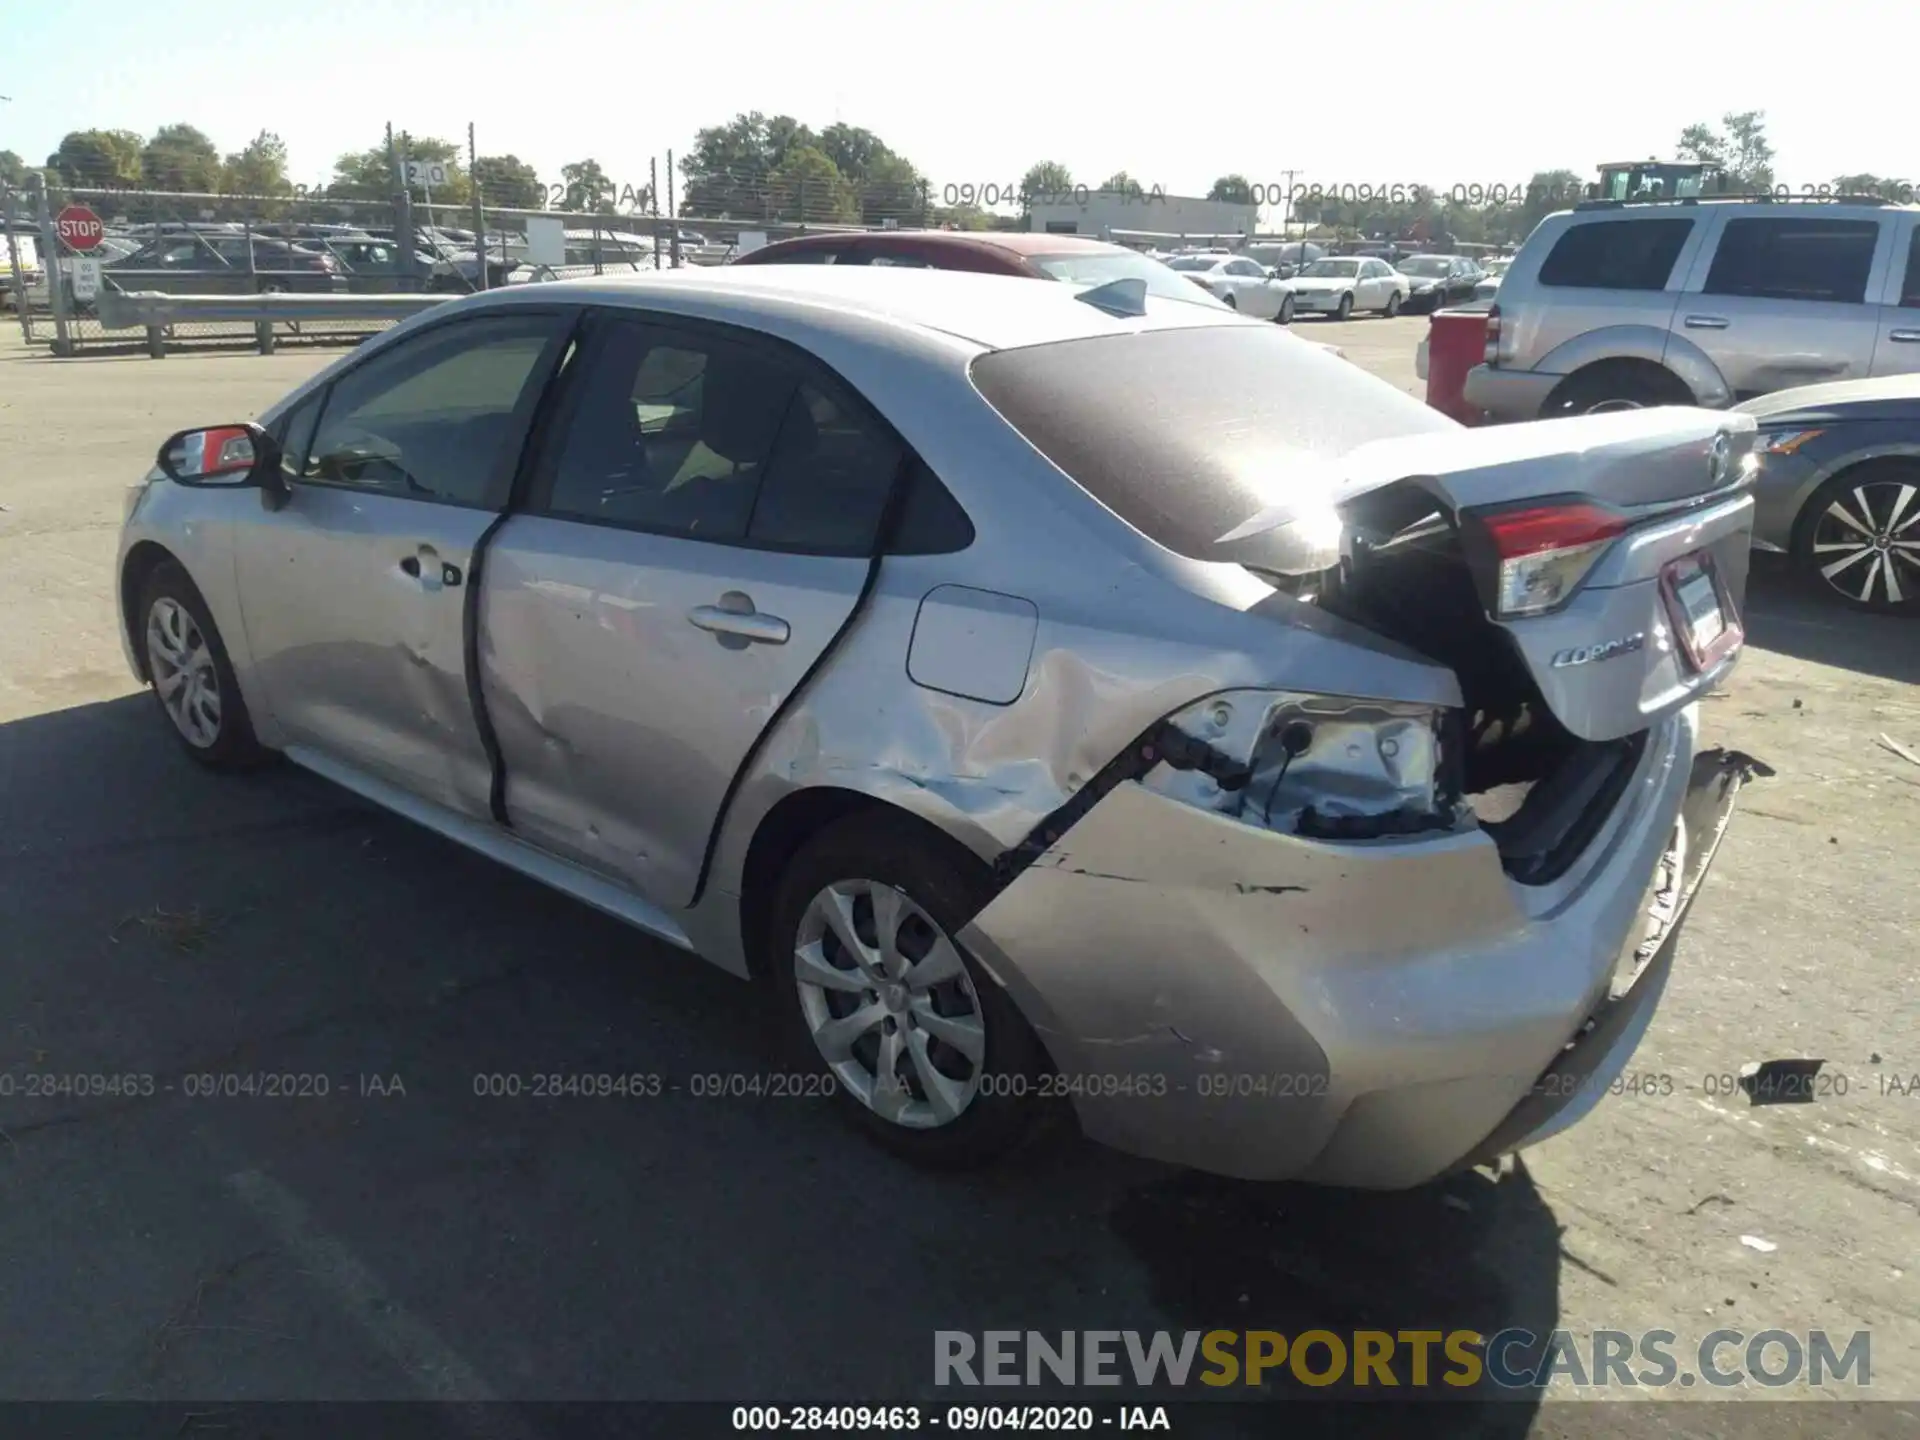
(796, 819)
(142, 560)
(1626, 371)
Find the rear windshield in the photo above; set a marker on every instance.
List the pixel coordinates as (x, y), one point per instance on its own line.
(1097, 267)
(1185, 434)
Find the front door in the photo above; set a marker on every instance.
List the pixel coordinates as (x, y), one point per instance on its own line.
(1784, 302)
(354, 593)
(697, 534)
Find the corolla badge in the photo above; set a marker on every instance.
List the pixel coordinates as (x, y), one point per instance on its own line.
(1605, 650)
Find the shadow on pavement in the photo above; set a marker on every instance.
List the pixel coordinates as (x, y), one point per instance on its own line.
(1790, 615)
(178, 1236)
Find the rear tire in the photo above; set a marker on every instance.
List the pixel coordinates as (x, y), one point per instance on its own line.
(1859, 537)
(192, 678)
(942, 1070)
(1613, 386)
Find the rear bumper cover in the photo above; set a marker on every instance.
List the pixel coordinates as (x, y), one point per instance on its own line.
(1509, 394)
(1257, 1005)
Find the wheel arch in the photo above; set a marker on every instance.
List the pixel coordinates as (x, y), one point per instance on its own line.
(787, 826)
(1623, 365)
(141, 561)
(1673, 355)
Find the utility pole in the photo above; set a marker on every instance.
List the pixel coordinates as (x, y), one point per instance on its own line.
(479, 209)
(1286, 201)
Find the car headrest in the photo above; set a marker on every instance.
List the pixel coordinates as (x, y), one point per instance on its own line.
(742, 401)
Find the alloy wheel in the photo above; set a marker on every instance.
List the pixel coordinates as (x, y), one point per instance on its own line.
(1866, 545)
(889, 1003)
(183, 672)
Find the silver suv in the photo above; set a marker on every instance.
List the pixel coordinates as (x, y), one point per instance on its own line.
(1615, 306)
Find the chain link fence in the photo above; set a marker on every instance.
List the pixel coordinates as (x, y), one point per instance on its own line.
(415, 217)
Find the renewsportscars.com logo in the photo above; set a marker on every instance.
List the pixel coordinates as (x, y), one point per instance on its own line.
(1513, 1359)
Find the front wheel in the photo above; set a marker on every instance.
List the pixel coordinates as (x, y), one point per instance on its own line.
(192, 677)
(1860, 537)
(926, 1054)
(1345, 309)
(1232, 303)
(1284, 315)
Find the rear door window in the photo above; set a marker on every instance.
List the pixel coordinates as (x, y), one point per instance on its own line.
(1616, 254)
(1187, 433)
(1910, 288)
(1796, 258)
(671, 434)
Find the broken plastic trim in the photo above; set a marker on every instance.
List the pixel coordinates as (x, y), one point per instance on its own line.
(1274, 731)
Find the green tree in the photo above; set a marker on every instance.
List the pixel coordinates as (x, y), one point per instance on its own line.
(370, 174)
(855, 152)
(257, 168)
(180, 158)
(889, 188)
(1233, 189)
(1046, 180)
(1739, 150)
(509, 182)
(107, 159)
(13, 170)
(1886, 187)
(586, 187)
(1121, 183)
(729, 168)
(809, 187)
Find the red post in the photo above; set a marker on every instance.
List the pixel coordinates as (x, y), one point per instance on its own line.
(1456, 342)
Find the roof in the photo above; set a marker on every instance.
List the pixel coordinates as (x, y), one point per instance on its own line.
(996, 312)
(1014, 242)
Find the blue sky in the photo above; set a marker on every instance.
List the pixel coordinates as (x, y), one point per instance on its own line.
(1360, 92)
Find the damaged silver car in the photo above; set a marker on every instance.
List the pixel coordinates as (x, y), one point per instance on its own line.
(1049, 696)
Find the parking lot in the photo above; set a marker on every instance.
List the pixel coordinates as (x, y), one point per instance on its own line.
(405, 1238)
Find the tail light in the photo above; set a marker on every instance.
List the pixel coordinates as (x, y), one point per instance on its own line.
(1492, 356)
(1543, 552)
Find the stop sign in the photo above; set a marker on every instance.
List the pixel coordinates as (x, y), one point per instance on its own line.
(79, 227)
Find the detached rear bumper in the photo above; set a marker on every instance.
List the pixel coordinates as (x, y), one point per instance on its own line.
(1509, 394)
(1258, 1005)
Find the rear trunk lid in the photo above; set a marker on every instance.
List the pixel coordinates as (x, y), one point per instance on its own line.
(1607, 554)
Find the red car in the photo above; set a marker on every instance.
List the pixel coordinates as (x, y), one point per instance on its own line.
(1072, 258)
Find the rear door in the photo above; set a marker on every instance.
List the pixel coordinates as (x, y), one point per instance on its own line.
(354, 593)
(1598, 275)
(1896, 349)
(697, 532)
(1781, 300)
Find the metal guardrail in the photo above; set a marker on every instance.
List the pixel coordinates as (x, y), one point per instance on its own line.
(157, 313)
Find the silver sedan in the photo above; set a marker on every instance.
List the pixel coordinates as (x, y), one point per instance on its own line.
(1049, 695)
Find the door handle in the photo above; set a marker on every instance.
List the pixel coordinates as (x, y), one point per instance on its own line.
(426, 566)
(1904, 337)
(735, 618)
(1706, 322)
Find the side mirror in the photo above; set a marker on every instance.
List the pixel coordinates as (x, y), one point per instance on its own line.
(234, 456)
